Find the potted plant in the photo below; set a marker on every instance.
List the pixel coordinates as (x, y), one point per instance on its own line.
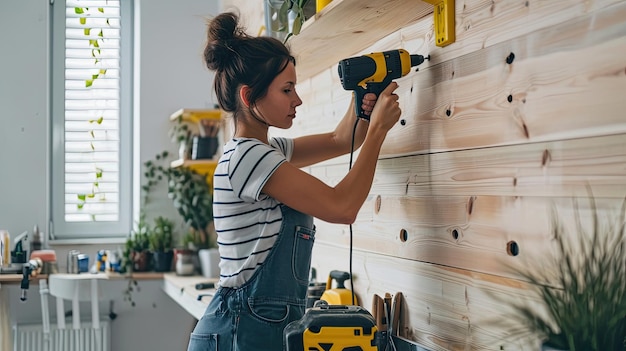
(161, 239)
(137, 256)
(192, 198)
(587, 311)
(284, 18)
(181, 135)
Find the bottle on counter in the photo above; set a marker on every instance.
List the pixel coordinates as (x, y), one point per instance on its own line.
(5, 248)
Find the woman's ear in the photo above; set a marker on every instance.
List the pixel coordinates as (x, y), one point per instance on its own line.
(243, 95)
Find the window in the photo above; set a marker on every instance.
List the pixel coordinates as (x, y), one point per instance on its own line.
(91, 119)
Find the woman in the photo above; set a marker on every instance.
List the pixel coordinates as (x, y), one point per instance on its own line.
(263, 203)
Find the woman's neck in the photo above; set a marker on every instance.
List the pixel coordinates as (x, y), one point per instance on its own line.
(258, 132)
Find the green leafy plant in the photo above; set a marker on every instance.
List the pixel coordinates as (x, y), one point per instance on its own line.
(190, 194)
(161, 237)
(94, 43)
(587, 311)
(137, 242)
(181, 135)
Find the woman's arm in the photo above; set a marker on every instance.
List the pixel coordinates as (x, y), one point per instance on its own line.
(312, 149)
(340, 204)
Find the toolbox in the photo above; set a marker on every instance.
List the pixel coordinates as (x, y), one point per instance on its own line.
(333, 328)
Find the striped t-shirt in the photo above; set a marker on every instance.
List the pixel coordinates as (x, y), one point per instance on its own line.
(247, 222)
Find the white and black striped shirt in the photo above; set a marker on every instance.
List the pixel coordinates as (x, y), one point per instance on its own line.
(247, 222)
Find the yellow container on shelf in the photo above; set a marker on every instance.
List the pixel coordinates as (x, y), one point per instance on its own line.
(320, 4)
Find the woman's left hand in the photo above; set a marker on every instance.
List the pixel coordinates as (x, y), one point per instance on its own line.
(369, 100)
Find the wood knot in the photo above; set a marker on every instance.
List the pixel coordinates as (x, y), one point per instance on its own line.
(470, 204)
(545, 158)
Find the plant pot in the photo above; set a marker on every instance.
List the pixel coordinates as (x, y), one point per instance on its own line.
(203, 147)
(184, 261)
(163, 261)
(209, 262)
(184, 150)
(547, 347)
(141, 260)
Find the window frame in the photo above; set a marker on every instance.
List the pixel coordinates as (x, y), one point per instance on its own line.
(60, 230)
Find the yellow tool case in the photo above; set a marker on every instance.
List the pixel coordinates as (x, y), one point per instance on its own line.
(333, 328)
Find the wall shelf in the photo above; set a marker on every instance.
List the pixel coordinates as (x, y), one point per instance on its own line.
(195, 115)
(344, 27)
(206, 167)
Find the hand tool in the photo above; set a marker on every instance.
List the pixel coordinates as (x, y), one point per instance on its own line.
(203, 286)
(373, 72)
(387, 312)
(380, 315)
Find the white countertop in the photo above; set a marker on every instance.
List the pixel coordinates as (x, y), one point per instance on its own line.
(183, 290)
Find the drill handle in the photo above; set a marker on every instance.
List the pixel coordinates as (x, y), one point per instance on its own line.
(360, 92)
(358, 103)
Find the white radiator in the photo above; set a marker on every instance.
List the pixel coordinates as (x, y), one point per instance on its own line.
(31, 337)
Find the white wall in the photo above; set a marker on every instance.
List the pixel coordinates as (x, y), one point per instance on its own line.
(171, 76)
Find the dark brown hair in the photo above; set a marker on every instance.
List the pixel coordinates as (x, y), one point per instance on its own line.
(240, 59)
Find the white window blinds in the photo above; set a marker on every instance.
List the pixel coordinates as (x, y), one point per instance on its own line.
(91, 119)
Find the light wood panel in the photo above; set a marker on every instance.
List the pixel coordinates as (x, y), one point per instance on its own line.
(484, 23)
(464, 102)
(489, 196)
(549, 100)
(500, 236)
(549, 169)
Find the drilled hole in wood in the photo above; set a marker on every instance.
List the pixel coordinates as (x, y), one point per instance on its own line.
(455, 234)
(403, 122)
(509, 98)
(378, 203)
(510, 58)
(512, 249)
(404, 235)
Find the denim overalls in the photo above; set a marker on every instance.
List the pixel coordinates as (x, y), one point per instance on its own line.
(253, 316)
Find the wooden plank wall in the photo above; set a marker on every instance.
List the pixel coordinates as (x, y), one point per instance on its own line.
(485, 149)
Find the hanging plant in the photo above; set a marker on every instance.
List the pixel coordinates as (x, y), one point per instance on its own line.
(95, 53)
(279, 20)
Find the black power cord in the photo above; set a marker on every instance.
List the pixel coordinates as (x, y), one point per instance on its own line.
(356, 123)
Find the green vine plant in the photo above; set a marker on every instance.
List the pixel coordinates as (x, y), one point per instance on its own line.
(297, 7)
(95, 53)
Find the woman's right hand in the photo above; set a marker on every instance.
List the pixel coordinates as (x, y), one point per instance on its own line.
(387, 109)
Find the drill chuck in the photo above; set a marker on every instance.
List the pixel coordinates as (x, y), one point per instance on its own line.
(417, 60)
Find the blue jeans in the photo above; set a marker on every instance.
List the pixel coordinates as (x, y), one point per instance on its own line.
(253, 316)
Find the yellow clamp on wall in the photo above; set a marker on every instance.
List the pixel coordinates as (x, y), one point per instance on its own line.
(444, 21)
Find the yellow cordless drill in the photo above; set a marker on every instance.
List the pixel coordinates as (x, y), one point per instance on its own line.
(373, 72)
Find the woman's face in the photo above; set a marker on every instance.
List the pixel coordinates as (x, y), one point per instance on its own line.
(278, 106)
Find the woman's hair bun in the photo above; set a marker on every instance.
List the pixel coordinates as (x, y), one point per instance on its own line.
(223, 35)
